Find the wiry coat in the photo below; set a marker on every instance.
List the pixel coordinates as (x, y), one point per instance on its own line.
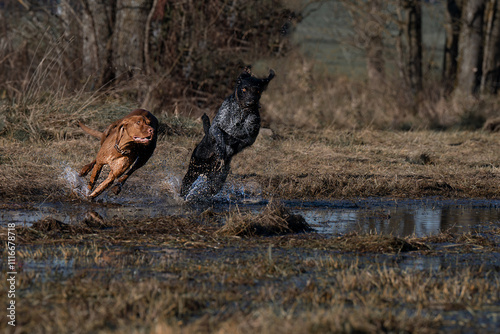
(235, 127)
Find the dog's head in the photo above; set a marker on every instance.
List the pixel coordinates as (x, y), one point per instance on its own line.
(249, 88)
(138, 128)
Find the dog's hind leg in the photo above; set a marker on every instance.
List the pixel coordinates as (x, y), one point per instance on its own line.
(95, 175)
(86, 169)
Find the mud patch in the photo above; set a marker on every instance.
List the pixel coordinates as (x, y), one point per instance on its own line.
(419, 218)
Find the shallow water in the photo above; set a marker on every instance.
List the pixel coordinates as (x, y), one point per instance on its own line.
(398, 217)
(104, 263)
(401, 218)
(375, 215)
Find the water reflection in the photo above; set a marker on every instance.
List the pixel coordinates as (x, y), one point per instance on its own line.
(399, 218)
(411, 217)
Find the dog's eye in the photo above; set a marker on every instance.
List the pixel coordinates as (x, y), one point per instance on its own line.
(244, 90)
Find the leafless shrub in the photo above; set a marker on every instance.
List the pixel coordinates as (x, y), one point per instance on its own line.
(191, 54)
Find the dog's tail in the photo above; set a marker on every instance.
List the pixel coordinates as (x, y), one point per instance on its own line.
(206, 123)
(90, 131)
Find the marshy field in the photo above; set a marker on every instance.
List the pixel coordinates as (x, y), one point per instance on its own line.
(361, 207)
(315, 231)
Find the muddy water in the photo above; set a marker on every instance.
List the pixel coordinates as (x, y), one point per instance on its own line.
(384, 216)
(400, 217)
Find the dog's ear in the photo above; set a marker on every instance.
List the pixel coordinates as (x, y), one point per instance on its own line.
(264, 82)
(247, 69)
(271, 75)
(123, 124)
(246, 73)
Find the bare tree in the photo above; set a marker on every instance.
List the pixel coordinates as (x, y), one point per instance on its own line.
(97, 30)
(490, 80)
(375, 61)
(129, 34)
(470, 48)
(368, 21)
(414, 39)
(452, 26)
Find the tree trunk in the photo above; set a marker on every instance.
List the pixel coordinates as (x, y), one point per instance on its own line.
(452, 29)
(97, 31)
(375, 49)
(414, 35)
(129, 37)
(470, 48)
(490, 81)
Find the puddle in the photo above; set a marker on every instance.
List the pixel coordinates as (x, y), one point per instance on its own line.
(402, 217)
(396, 217)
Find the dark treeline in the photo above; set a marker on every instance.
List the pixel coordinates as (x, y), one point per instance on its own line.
(162, 52)
(471, 62)
(185, 54)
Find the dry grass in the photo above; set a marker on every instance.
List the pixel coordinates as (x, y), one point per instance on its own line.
(217, 273)
(240, 272)
(305, 94)
(294, 164)
(178, 274)
(275, 219)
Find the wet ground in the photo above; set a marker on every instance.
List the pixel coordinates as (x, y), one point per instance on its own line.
(431, 259)
(398, 217)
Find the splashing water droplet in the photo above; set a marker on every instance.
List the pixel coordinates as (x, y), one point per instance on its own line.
(200, 190)
(172, 184)
(76, 183)
(235, 191)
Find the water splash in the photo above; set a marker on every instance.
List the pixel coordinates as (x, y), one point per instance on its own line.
(172, 184)
(238, 191)
(77, 184)
(199, 191)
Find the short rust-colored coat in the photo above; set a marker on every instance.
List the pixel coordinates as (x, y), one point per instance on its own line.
(126, 145)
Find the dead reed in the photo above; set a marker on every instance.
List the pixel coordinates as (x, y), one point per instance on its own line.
(274, 220)
(178, 275)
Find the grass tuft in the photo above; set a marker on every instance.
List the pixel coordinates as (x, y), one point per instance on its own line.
(274, 220)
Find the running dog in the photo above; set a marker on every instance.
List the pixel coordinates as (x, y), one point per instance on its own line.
(234, 128)
(126, 145)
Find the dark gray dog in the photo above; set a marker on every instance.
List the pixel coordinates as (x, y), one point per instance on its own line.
(234, 127)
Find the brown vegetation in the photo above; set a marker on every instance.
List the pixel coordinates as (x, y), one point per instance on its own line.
(165, 56)
(275, 219)
(178, 71)
(291, 163)
(171, 274)
(330, 137)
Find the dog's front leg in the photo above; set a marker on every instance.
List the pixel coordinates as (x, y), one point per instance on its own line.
(96, 171)
(220, 142)
(106, 183)
(244, 143)
(138, 163)
(118, 167)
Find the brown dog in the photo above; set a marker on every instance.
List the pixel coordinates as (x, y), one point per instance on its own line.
(126, 145)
